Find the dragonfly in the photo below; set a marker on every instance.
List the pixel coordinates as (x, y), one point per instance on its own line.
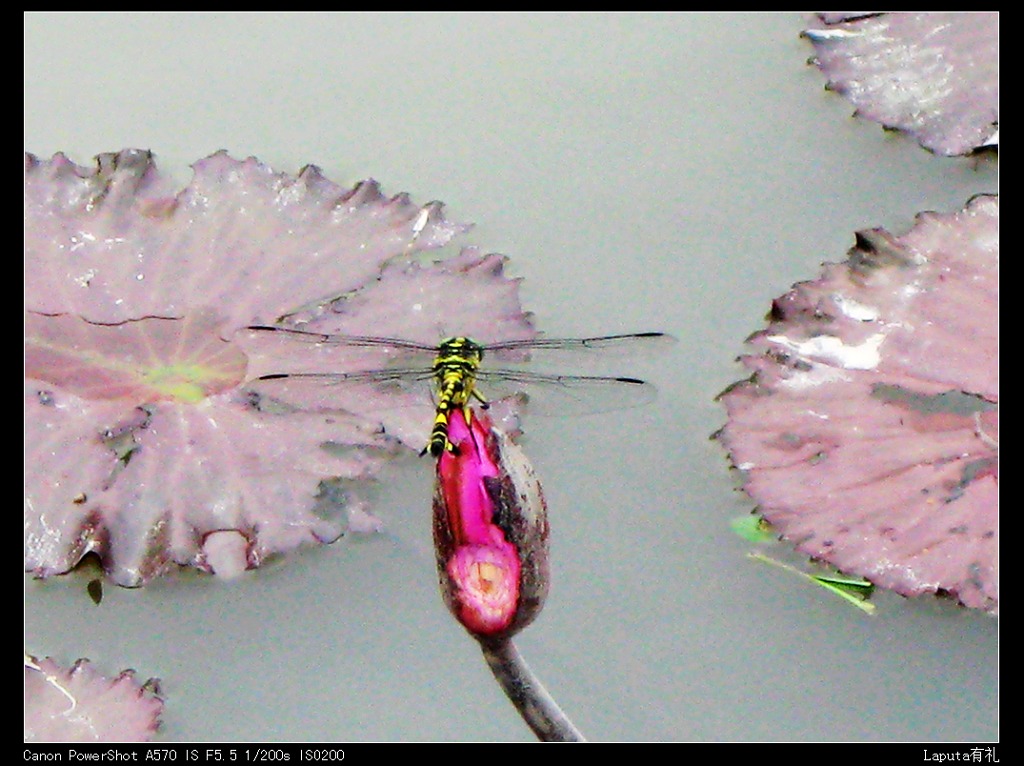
(451, 371)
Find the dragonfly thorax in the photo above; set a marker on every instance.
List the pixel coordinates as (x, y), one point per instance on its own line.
(455, 367)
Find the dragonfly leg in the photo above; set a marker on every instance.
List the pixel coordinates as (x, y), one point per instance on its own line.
(484, 404)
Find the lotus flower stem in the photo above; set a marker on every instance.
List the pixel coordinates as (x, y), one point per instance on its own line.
(541, 713)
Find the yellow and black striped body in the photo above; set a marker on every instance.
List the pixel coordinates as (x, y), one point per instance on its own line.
(455, 368)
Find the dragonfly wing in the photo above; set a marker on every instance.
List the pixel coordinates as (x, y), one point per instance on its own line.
(350, 341)
(388, 388)
(575, 351)
(356, 392)
(566, 394)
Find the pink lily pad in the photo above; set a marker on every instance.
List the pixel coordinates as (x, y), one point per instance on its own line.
(81, 705)
(147, 440)
(868, 431)
(932, 75)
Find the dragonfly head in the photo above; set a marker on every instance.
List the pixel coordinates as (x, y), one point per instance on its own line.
(460, 348)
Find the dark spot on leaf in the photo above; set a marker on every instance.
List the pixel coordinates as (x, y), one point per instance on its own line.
(951, 402)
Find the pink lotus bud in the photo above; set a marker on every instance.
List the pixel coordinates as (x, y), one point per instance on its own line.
(490, 531)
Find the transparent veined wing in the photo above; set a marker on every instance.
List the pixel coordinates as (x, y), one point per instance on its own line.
(352, 341)
(632, 342)
(642, 342)
(558, 393)
(549, 393)
(366, 391)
